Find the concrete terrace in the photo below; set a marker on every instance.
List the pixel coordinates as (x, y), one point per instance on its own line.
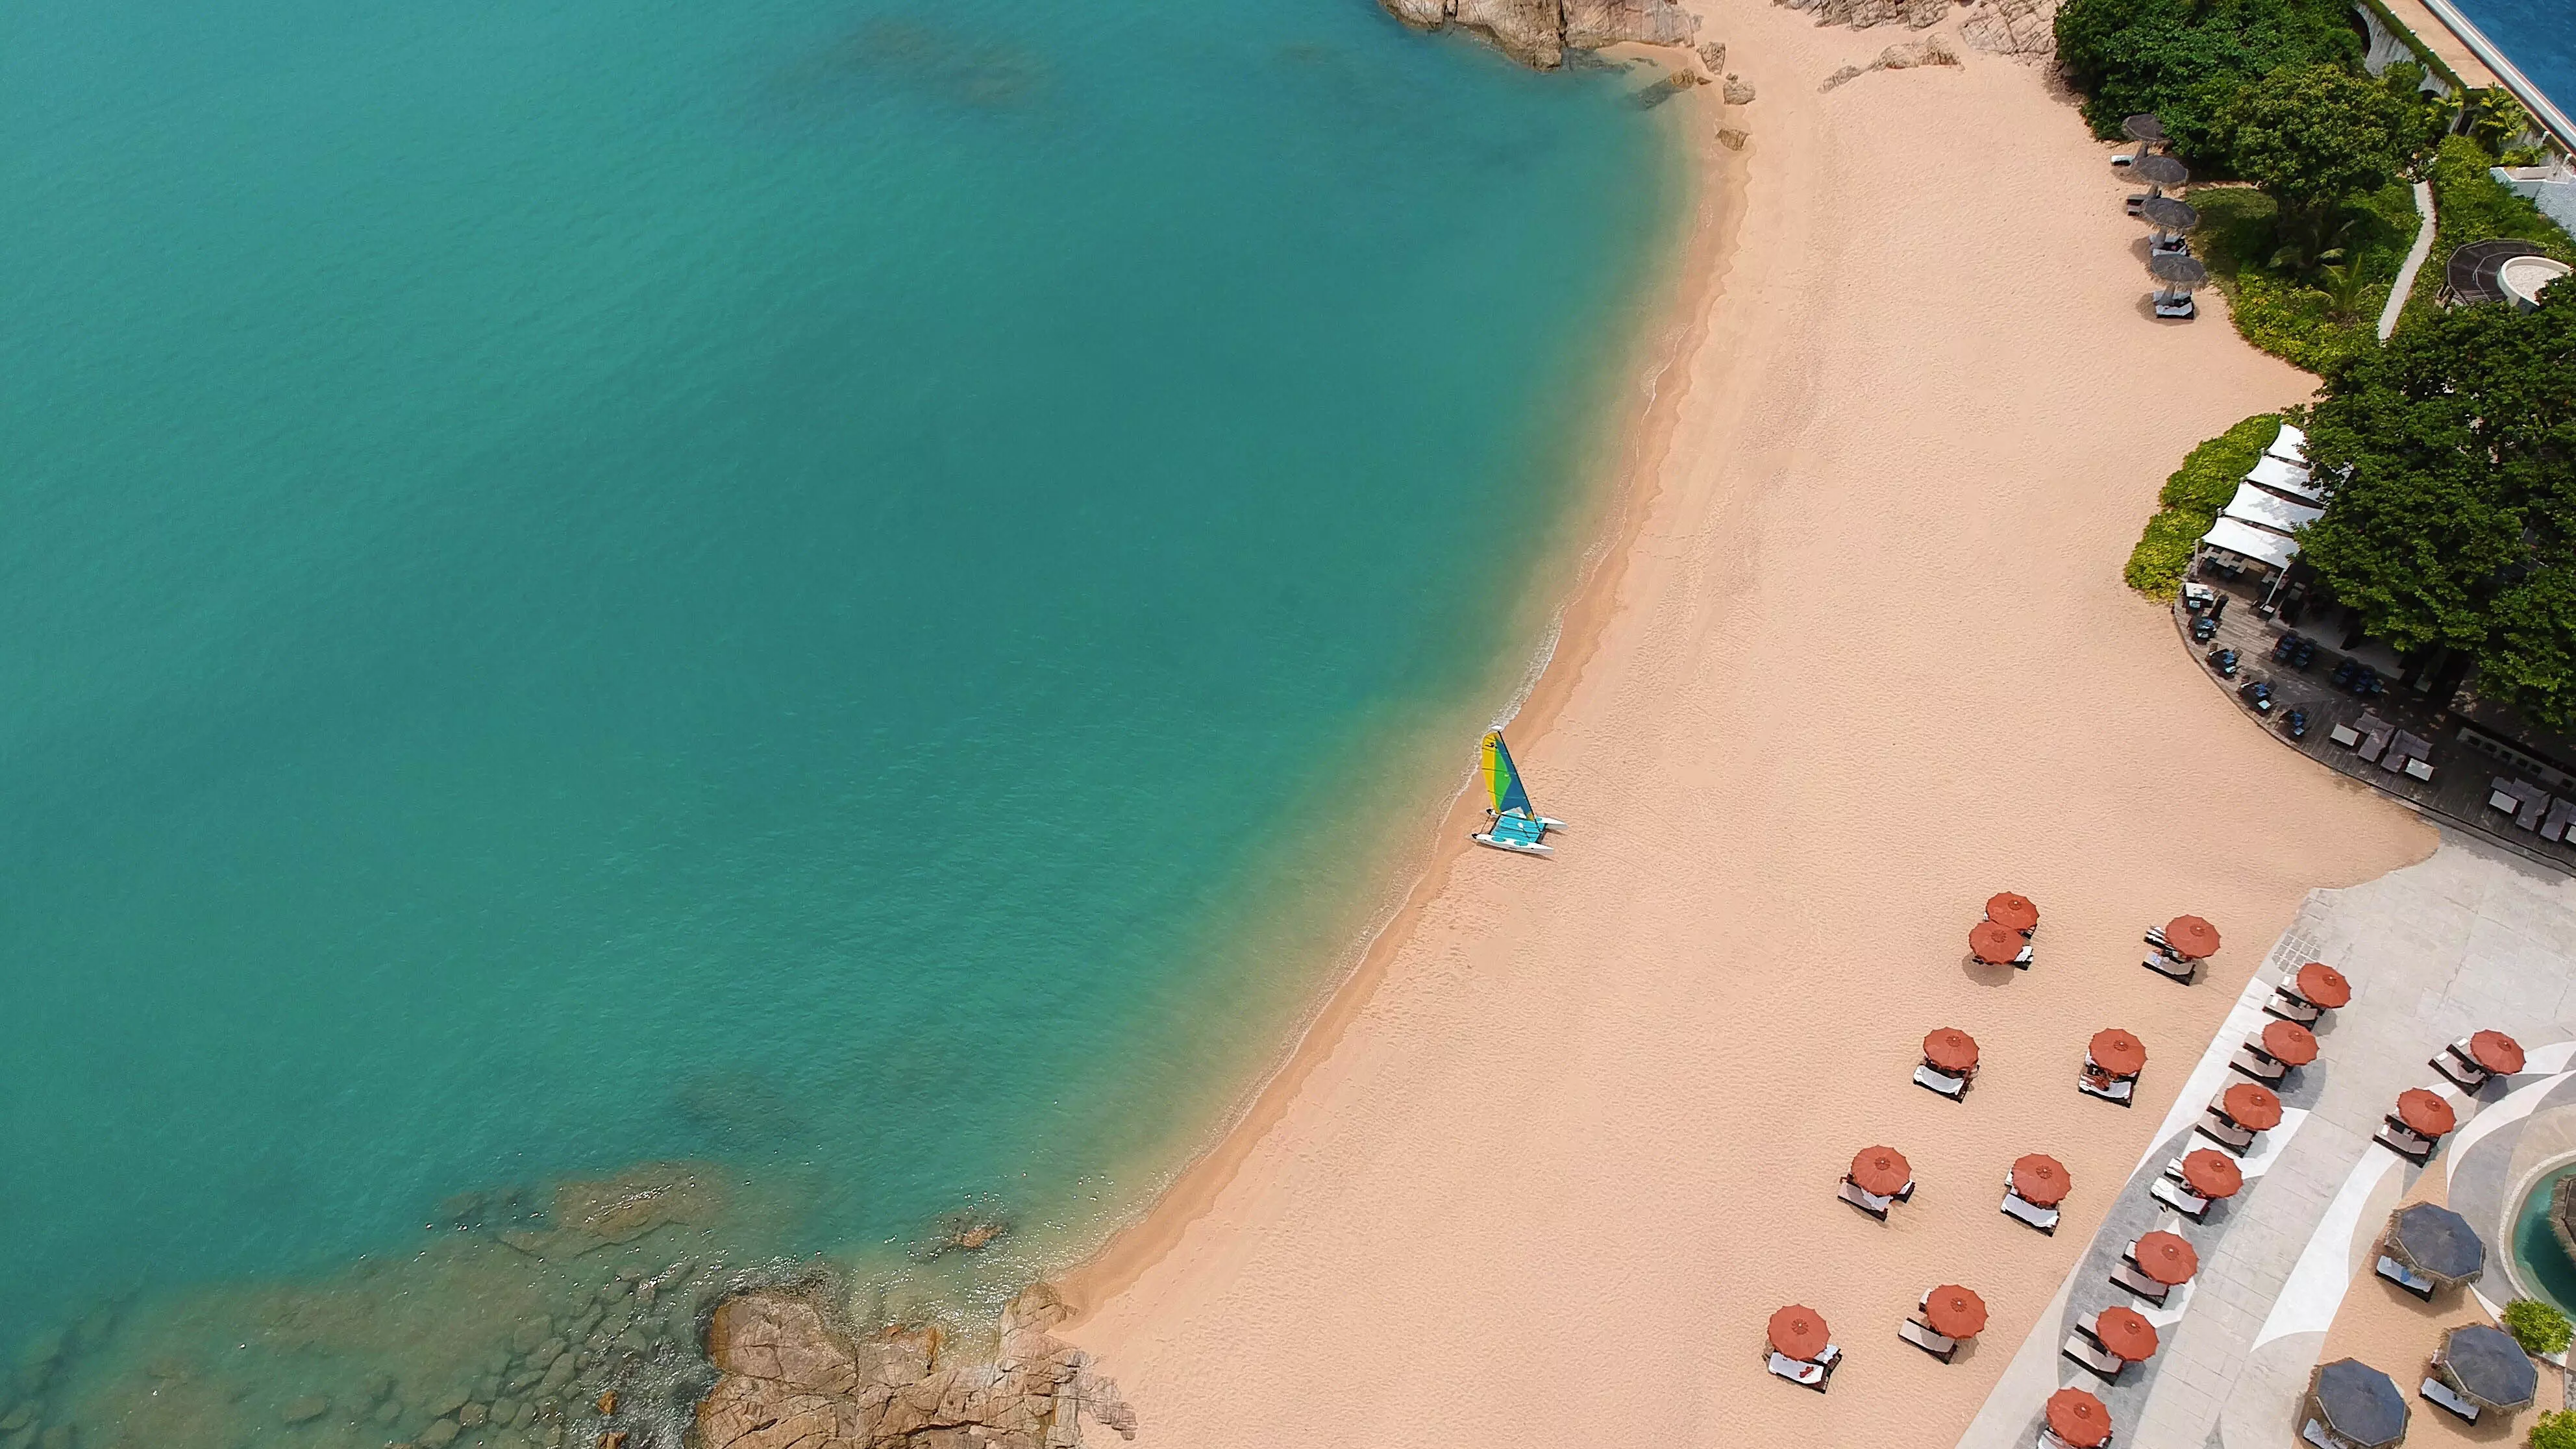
(2472, 937)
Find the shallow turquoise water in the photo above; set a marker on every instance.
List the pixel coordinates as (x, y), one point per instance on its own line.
(2543, 1263)
(756, 582)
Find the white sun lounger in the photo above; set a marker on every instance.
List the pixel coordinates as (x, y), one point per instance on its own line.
(2440, 1393)
(2123, 1090)
(1798, 1371)
(2180, 1198)
(2223, 1132)
(2021, 1208)
(2404, 1277)
(2126, 1275)
(2253, 1063)
(1954, 1088)
(1924, 1338)
(2092, 1356)
(2290, 1008)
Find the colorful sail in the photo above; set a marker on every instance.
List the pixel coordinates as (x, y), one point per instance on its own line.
(1503, 779)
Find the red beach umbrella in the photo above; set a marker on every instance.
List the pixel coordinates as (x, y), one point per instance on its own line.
(2013, 913)
(1799, 1332)
(2212, 1174)
(2321, 985)
(1881, 1171)
(2079, 1418)
(2253, 1108)
(2425, 1113)
(1955, 1312)
(2117, 1052)
(2166, 1258)
(2289, 1043)
(2192, 938)
(2496, 1052)
(2041, 1180)
(1993, 944)
(2126, 1334)
(1951, 1050)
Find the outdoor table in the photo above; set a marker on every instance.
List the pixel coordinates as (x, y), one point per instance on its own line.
(2344, 735)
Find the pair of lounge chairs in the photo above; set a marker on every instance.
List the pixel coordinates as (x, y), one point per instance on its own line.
(2126, 1274)
(2405, 1141)
(2215, 1126)
(2442, 1394)
(2166, 962)
(2259, 1064)
(2095, 1082)
(2404, 1277)
(2462, 1069)
(1870, 1202)
(1807, 1373)
(2022, 1209)
(1919, 1333)
(1932, 1078)
(2084, 1346)
(2287, 1004)
(2171, 1190)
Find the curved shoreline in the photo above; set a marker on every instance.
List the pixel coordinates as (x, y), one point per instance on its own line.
(1699, 274)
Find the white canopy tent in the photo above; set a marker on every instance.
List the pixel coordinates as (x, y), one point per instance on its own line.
(2270, 510)
(2255, 545)
(2290, 478)
(2290, 445)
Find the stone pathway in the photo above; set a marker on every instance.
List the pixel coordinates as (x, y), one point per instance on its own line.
(2415, 256)
(2472, 937)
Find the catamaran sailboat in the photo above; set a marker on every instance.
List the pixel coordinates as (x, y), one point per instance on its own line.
(1517, 824)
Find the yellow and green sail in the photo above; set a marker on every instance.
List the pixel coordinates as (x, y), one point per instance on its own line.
(1503, 778)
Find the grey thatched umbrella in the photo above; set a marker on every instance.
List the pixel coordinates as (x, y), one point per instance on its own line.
(2159, 172)
(2143, 127)
(2170, 213)
(2437, 1242)
(2486, 1364)
(2359, 1403)
(2177, 270)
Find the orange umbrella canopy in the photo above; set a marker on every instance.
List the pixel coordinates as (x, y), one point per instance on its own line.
(2126, 1333)
(2079, 1418)
(2322, 985)
(1881, 1171)
(2040, 1179)
(2191, 937)
(2289, 1043)
(1992, 943)
(2251, 1107)
(2117, 1052)
(1955, 1312)
(2425, 1112)
(2166, 1258)
(1800, 1332)
(2496, 1052)
(2212, 1174)
(2012, 912)
(1951, 1050)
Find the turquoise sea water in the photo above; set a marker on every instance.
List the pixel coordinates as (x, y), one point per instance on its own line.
(849, 592)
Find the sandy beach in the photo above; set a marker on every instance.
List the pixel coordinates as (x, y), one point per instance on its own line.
(1860, 658)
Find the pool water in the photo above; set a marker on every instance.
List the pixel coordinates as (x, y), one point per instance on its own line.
(2538, 1259)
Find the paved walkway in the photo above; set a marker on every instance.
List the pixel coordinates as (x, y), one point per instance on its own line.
(2472, 937)
(2415, 256)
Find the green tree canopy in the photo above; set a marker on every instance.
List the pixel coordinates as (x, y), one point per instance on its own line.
(2458, 524)
(2312, 135)
(2184, 59)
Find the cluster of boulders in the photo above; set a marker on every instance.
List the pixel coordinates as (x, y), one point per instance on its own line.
(25, 1422)
(2020, 28)
(1541, 32)
(562, 1378)
(1932, 49)
(794, 1377)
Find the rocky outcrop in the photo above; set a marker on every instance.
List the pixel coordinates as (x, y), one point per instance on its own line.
(1862, 14)
(1930, 50)
(791, 1379)
(1540, 32)
(2024, 29)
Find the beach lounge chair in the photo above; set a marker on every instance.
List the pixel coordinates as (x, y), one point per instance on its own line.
(2123, 1090)
(2403, 1140)
(2287, 1006)
(2252, 1061)
(2404, 1277)
(1798, 1371)
(1922, 1337)
(2454, 1062)
(2019, 1207)
(2316, 1434)
(2172, 968)
(2180, 1198)
(2223, 1132)
(1872, 1203)
(2090, 1354)
(2125, 1274)
(1954, 1088)
(2156, 938)
(2440, 1393)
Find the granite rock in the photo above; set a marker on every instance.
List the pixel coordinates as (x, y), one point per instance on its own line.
(1539, 32)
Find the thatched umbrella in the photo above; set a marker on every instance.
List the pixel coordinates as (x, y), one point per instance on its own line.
(2484, 1363)
(2144, 129)
(2359, 1404)
(2160, 172)
(2437, 1243)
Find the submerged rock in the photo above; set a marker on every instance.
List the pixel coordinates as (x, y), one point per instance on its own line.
(1539, 32)
(305, 1410)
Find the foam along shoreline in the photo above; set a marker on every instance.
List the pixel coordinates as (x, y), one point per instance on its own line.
(1859, 656)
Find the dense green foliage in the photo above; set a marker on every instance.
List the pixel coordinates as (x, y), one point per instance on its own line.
(2539, 1327)
(2191, 502)
(2554, 1429)
(2185, 60)
(2458, 526)
(2471, 206)
(2317, 321)
(2311, 137)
